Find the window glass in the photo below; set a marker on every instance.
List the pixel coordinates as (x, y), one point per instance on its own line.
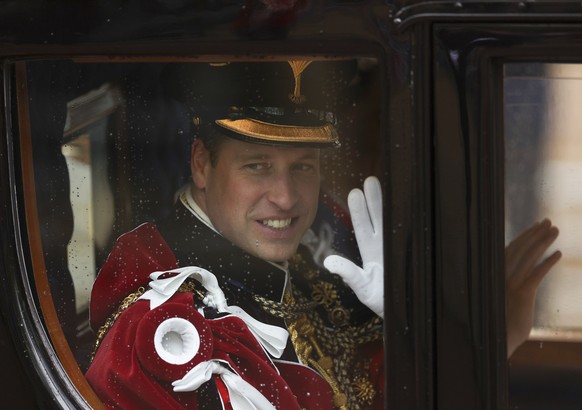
(543, 179)
(111, 148)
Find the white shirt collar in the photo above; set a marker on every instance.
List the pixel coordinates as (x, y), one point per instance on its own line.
(188, 201)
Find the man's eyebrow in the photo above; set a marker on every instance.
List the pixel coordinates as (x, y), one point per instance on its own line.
(309, 157)
(242, 156)
(314, 155)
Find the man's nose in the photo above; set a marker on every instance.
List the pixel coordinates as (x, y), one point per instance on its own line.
(283, 192)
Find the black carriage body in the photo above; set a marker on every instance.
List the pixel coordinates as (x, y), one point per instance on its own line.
(439, 70)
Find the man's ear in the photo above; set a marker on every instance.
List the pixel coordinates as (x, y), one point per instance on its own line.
(199, 164)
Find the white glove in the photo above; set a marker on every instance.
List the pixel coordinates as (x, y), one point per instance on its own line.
(366, 213)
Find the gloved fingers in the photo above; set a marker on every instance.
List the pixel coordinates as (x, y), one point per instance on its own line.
(346, 269)
(373, 194)
(359, 210)
(363, 229)
(366, 207)
(366, 214)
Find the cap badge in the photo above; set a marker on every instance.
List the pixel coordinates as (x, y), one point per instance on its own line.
(298, 66)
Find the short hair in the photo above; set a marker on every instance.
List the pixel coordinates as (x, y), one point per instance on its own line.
(212, 140)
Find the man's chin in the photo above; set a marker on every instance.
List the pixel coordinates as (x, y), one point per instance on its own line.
(275, 255)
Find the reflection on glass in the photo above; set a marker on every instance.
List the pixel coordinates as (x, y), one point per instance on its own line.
(81, 250)
(543, 137)
(86, 132)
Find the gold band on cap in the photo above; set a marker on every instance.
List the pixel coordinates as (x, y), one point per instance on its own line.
(324, 134)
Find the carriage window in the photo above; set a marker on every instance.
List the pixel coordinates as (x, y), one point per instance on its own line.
(544, 179)
(110, 145)
(543, 169)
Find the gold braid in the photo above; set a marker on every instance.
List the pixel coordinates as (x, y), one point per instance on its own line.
(283, 310)
(332, 350)
(125, 303)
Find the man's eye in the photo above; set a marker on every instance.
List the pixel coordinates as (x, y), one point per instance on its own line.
(304, 167)
(257, 166)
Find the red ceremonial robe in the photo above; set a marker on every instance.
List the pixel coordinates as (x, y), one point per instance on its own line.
(128, 373)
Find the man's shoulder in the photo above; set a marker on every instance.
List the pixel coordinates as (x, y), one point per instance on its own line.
(141, 231)
(135, 255)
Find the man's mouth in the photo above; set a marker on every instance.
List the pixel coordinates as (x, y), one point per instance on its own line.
(277, 223)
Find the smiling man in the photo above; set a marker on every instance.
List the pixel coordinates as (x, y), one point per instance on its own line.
(221, 306)
(251, 319)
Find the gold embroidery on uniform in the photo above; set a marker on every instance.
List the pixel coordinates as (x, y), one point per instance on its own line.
(339, 316)
(364, 390)
(332, 351)
(324, 293)
(303, 338)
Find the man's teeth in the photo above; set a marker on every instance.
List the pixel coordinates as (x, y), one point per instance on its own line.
(277, 223)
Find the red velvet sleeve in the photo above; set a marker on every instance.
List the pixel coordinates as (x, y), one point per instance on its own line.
(135, 255)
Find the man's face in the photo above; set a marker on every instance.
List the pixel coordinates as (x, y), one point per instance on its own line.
(260, 197)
